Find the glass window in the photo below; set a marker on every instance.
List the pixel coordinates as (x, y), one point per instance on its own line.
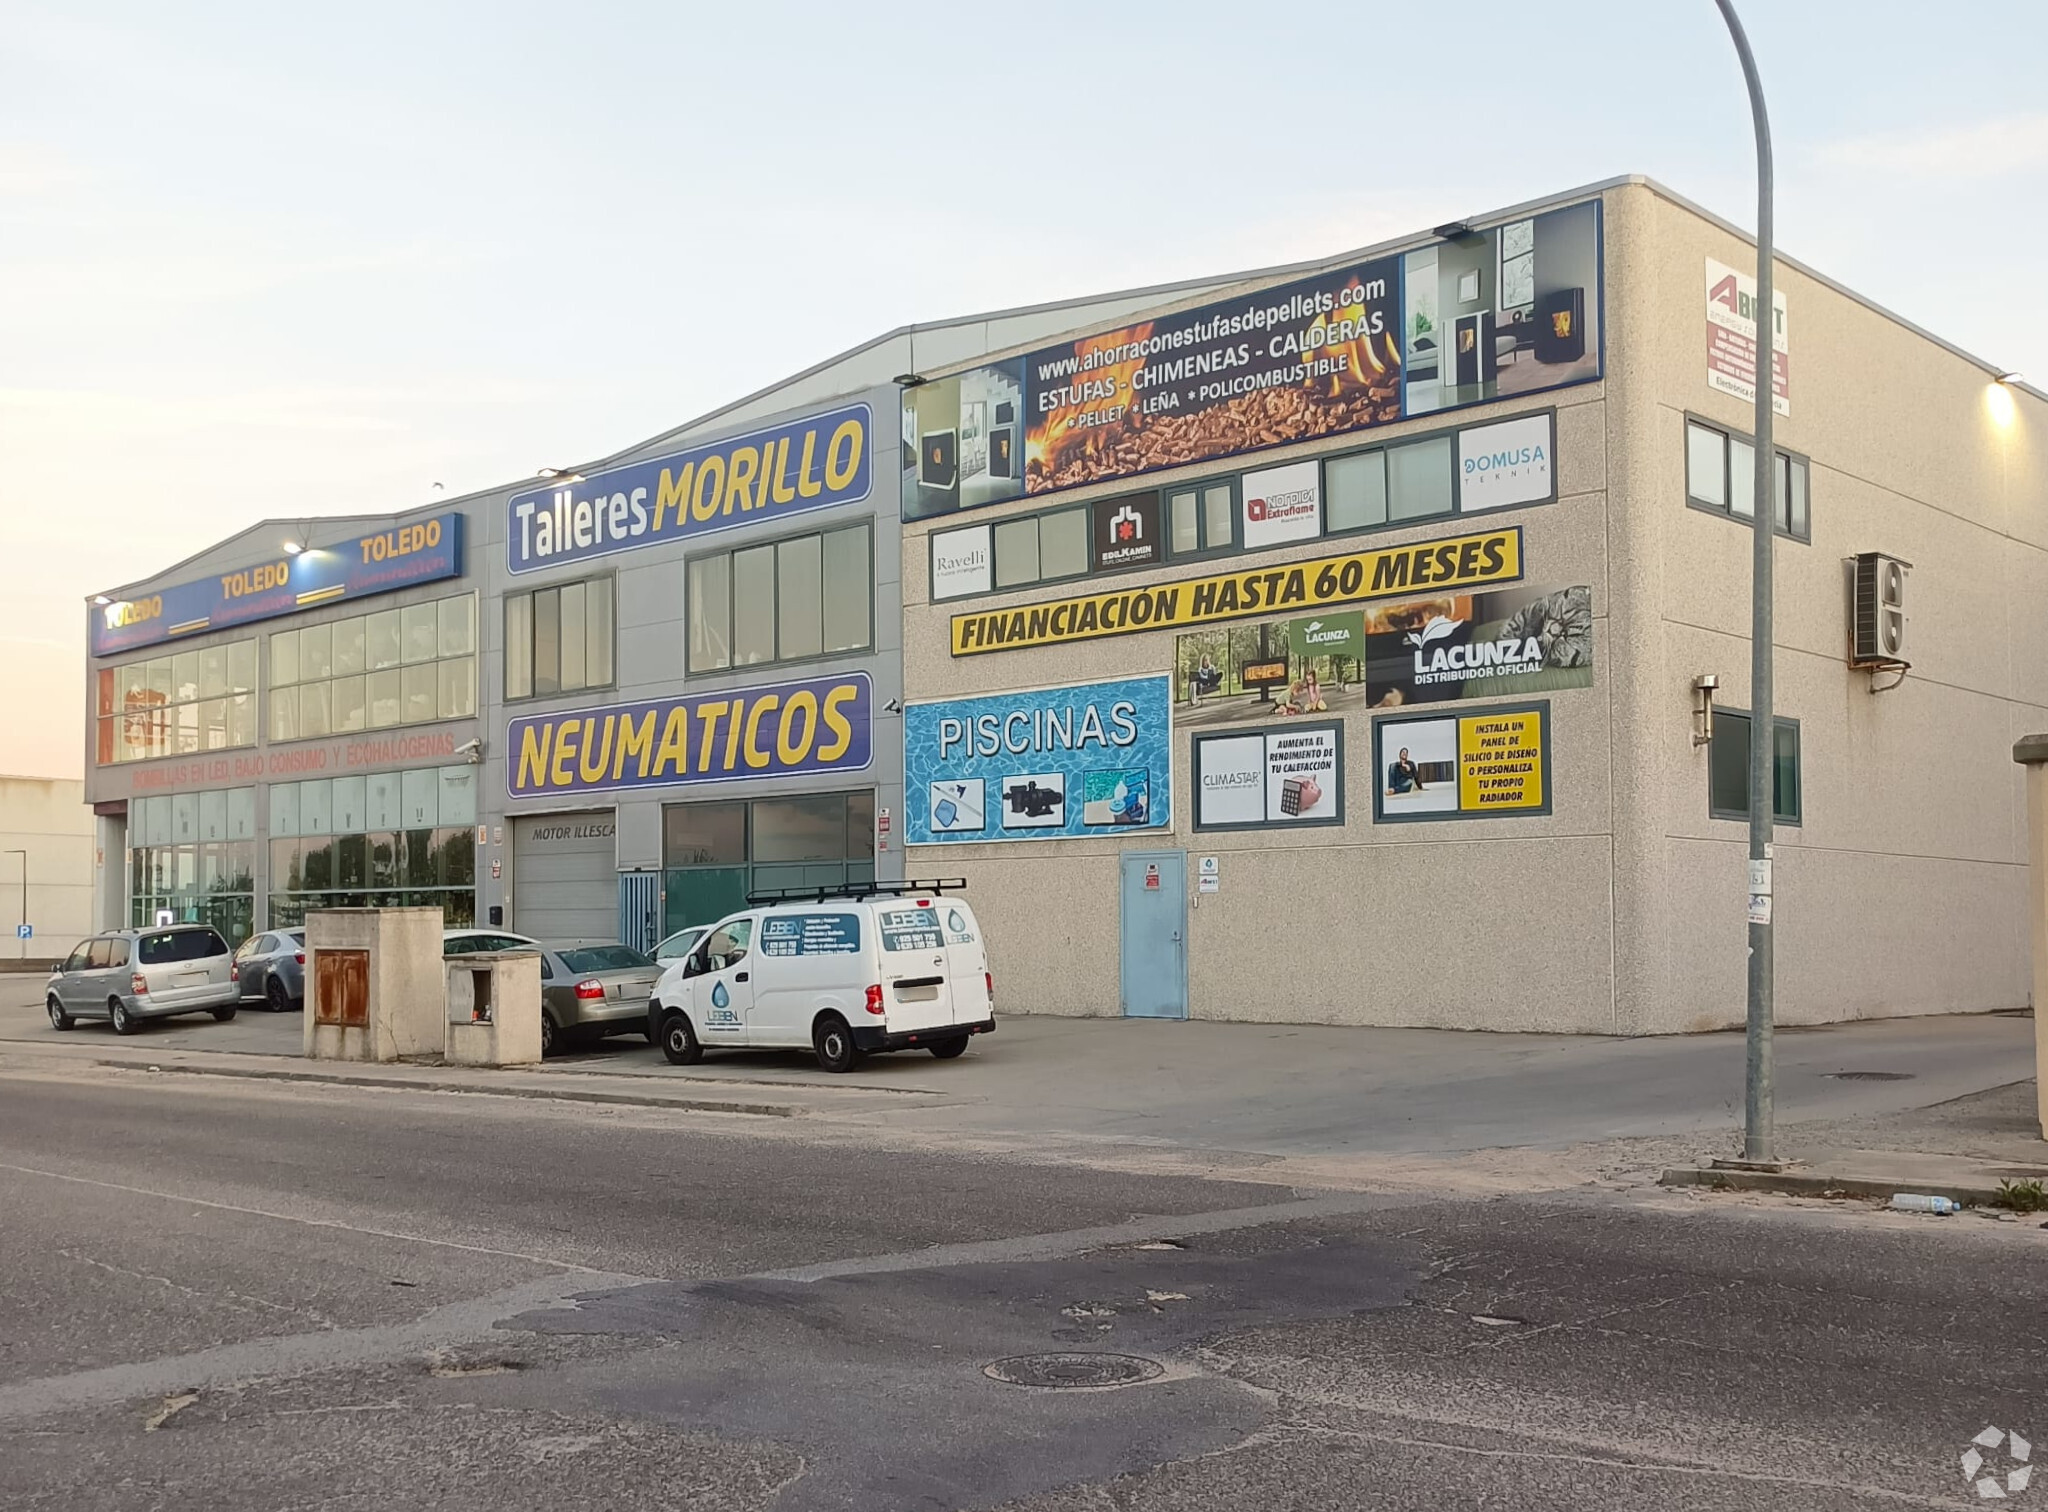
(350, 806)
(242, 813)
(213, 814)
(1728, 769)
(519, 646)
(457, 798)
(1706, 466)
(704, 834)
(184, 818)
(808, 828)
(1063, 543)
(348, 646)
(598, 617)
(574, 628)
(347, 710)
(1355, 491)
(213, 671)
(213, 724)
(753, 609)
(316, 652)
(160, 679)
(849, 586)
(422, 693)
(242, 666)
(458, 625)
(383, 640)
(386, 698)
(860, 825)
(1184, 524)
(1741, 479)
(313, 710)
(421, 628)
(316, 807)
(242, 720)
(547, 641)
(1419, 479)
(458, 688)
(284, 714)
(799, 597)
(420, 793)
(185, 676)
(1791, 496)
(708, 589)
(1219, 515)
(1203, 518)
(1016, 545)
(382, 800)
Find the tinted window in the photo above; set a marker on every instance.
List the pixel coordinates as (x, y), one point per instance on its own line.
(120, 955)
(603, 958)
(77, 959)
(102, 955)
(181, 945)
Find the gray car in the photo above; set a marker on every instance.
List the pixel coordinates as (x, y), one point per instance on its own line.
(271, 969)
(130, 975)
(593, 988)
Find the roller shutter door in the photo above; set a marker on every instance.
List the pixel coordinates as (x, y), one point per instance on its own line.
(565, 879)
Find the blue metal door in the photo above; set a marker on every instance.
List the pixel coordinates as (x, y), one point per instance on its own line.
(640, 909)
(1155, 921)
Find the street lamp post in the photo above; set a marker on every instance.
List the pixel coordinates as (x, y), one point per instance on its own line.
(21, 939)
(1758, 1138)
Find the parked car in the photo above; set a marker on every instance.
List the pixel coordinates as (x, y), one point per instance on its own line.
(678, 945)
(271, 969)
(845, 976)
(130, 975)
(592, 988)
(471, 941)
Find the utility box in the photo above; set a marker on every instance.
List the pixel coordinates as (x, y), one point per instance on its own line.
(374, 984)
(494, 1008)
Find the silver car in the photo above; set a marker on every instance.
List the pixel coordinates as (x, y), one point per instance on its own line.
(134, 974)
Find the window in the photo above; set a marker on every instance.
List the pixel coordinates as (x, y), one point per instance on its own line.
(1355, 491)
(1728, 769)
(1041, 548)
(1419, 479)
(557, 640)
(177, 705)
(1720, 476)
(403, 666)
(811, 595)
(386, 839)
(194, 854)
(1202, 517)
(715, 854)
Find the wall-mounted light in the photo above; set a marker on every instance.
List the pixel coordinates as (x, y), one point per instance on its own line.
(101, 599)
(1703, 688)
(1999, 401)
(1454, 230)
(910, 380)
(560, 474)
(2009, 377)
(292, 548)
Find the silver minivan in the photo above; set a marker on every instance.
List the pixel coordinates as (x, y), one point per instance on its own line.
(134, 974)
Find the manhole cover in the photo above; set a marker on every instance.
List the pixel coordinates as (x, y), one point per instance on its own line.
(1073, 1370)
(1871, 1075)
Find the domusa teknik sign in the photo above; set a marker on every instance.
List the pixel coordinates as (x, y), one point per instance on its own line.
(378, 561)
(1493, 556)
(806, 464)
(821, 724)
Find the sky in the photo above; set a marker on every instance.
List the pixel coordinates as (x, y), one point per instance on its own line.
(285, 261)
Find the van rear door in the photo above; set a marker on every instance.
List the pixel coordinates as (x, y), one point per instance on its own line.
(966, 962)
(916, 975)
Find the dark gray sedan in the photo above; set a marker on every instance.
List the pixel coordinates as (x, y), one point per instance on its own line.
(271, 969)
(593, 988)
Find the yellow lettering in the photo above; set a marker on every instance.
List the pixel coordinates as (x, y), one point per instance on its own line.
(673, 494)
(594, 771)
(634, 740)
(560, 773)
(674, 755)
(534, 741)
(708, 714)
(732, 736)
(792, 752)
(756, 757)
(837, 723)
(779, 468)
(745, 462)
(704, 501)
(807, 485)
(837, 477)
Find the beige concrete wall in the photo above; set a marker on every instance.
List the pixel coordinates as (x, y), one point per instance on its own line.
(1902, 891)
(48, 818)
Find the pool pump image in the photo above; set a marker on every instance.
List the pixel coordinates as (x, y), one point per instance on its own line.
(1028, 800)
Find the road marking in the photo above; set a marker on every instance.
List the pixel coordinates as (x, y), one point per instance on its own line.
(326, 1223)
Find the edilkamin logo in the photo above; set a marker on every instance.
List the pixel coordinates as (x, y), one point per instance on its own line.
(1978, 1471)
(1125, 525)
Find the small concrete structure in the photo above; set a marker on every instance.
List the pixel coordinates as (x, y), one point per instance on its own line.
(375, 989)
(2031, 752)
(494, 1008)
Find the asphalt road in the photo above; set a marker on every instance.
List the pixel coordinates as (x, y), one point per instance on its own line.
(231, 1295)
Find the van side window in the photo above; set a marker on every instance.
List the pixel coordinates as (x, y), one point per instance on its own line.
(728, 943)
(120, 957)
(102, 955)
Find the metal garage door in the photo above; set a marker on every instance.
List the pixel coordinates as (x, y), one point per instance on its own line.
(565, 877)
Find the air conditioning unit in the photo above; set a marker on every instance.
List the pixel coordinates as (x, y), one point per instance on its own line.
(1877, 610)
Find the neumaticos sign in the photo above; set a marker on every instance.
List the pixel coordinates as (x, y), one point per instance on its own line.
(806, 464)
(422, 551)
(1494, 556)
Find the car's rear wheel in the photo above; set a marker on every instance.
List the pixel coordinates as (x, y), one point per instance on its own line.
(222, 1015)
(679, 1041)
(833, 1042)
(550, 1035)
(124, 1021)
(948, 1049)
(275, 998)
(59, 1019)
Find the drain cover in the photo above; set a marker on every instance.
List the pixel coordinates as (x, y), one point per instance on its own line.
(1871, 1075)
(1073, 1370)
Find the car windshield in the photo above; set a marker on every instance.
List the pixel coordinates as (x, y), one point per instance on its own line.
(590, 958)
(181, 945)
(679, 943)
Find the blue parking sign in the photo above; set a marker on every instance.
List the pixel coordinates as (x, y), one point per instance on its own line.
(24, 931)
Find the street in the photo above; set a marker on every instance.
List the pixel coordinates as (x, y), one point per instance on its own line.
(232, 1294)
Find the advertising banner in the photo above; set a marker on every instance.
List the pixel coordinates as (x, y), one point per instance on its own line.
(1284, 775)
(1731, 338)
(806, 464)
(1516, 640)
(424, 551)
(820, 724)
(1493, 556)
(1229, 674)
(963, 562)
(1126, 532)
(1463, 766)
(1511, 310)
(1506, 464)
(1283, 504)
(1051, 764)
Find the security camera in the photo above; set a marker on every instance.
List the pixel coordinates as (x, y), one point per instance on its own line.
(471, 751)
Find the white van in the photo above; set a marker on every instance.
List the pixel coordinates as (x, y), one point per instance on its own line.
(899, 967)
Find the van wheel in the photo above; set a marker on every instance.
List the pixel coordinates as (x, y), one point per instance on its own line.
(222, 1015)
(948, 1049)
(124, 1021)
(59, 1019)
(833, 1042)
(679, 1041)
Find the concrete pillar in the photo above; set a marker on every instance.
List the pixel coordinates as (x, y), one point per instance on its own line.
(2031, 752)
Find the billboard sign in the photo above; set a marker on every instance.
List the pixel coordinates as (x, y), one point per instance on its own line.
(1518, 640)
(383, 561)
(1049, 764)
(1731, 338)
(1271, 778)
(1494, 764)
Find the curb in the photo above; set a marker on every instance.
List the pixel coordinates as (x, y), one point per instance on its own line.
(402, 1084)
(1794, 1184)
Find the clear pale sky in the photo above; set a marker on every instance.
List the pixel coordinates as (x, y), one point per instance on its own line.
(262, 260)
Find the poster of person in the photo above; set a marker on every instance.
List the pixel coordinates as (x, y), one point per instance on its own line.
(1517, 640)
(1232, 674)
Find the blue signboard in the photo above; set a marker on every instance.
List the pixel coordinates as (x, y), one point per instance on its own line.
(1045, 765)
(806, 464)
(820, 724)
(398, 556)
(810, 934)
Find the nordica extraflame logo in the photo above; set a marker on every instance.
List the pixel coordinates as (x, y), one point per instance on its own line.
(1459, 661)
